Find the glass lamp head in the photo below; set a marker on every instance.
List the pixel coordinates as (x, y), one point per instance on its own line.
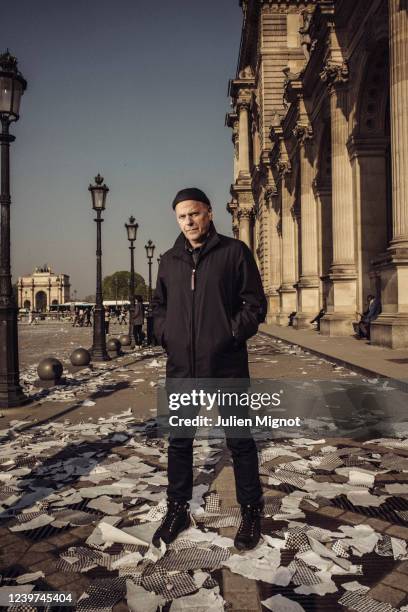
(149, 249)
(12, 87)
(98, 193)
(131, 229)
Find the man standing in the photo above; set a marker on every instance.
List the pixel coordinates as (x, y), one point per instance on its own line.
(208, 301)
(137, 321)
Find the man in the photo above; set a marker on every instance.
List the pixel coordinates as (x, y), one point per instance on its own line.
(208, 301)
(370, 314)
(137, 321)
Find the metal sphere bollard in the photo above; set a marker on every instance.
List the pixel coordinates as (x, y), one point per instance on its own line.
(50, 368)
(114, 345)
(80, 357)
(125, 340)
(49, 371)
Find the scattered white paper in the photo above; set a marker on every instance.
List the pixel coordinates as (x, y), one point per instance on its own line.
(140, 600)
(279, 603)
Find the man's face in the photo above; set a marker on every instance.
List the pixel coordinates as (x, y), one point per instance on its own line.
(194, 219)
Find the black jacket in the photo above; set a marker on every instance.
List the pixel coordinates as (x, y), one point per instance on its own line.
(203, 315)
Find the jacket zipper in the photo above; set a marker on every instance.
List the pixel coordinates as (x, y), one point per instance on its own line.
(193, 284)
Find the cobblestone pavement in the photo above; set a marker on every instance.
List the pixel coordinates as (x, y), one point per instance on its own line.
(57, 338)
(82, 477)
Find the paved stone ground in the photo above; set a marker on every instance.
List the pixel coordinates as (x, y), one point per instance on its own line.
(129, 382)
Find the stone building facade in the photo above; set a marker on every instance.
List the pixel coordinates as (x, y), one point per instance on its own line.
(319, 125)
(43, 289)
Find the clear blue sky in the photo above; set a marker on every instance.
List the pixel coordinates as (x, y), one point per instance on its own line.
(135, 90)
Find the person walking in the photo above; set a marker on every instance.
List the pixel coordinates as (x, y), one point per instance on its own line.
(137, 321)
(76, 318)
(207, 303)
(122, 316)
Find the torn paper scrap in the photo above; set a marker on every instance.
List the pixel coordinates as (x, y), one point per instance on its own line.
(140, 600)
(279, 603)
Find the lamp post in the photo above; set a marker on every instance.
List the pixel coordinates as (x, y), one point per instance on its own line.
(131, 229)
(12, 87)
(115, 282)
(149, 318)
(98, 350)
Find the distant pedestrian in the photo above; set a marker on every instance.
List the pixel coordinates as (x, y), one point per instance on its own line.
(291, 318)
(76, 318)
(137, 321)
(107, 320)
(122, 316)
(81, 317)
(318, 317)
(368, 316)
(88, 322)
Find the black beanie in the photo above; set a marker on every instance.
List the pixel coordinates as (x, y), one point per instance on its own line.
(190, 193)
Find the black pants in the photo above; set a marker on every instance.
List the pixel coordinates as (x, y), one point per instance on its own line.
(245, 461)
(138, 334)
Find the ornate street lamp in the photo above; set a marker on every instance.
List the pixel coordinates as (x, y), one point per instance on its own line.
(98, 350)
(131, 229)
(149, 253)
(149, 318)
(12, 87)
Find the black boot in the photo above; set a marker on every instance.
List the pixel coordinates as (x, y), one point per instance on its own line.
(249, 531)
(176, 520)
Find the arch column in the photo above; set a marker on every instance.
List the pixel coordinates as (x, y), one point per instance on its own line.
(308, 285)
(49, 295)
(287, 291)
(391, 327)
(341, 300)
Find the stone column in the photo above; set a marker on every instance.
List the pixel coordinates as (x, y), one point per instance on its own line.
(399, 119)
(341, 306)
(324, 207)
(235, 229)
(49, 295)
(287, 291)
(245, 216)
(272, 202)
(235, 142)
(32, 295)
(391, 327)
(368, 161)
(308, 285)
(243, 160)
